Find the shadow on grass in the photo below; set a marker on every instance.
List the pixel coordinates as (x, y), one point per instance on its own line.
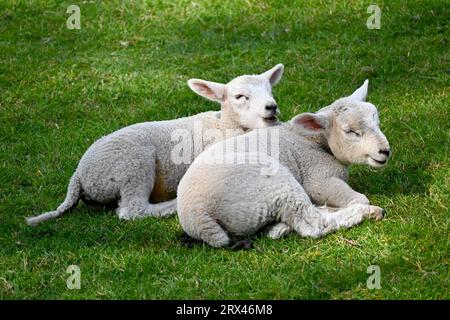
(406, 179)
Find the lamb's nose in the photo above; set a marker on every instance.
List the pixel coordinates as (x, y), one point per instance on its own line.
(386, 152)
(272, 107)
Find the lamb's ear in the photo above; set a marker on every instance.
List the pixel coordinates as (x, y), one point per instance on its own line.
(361, 93)
(274, 74)
(311, 122)
(210, 90)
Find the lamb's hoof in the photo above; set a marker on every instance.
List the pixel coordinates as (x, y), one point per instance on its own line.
(242, 245)
(376, 213)
(188, 241)
(123, 214)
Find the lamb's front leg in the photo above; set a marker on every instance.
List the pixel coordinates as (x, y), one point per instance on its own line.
(310, 222)
(334, 192)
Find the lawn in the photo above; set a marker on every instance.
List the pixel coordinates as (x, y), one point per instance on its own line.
(62, 89)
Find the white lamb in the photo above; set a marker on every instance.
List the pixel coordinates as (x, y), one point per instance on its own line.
(135, 165)
(234, 189)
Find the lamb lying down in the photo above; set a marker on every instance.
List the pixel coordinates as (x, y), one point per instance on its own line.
(232, 190)
(136, 164)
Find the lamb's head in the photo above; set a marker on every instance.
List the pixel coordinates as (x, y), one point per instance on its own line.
(247, 100)
(351, 128)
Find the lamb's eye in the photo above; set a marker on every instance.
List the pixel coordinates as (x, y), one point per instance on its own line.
(240, 96)
(352, 132)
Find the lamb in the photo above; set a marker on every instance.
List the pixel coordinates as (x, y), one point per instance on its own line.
(235, 189)
(138, 164)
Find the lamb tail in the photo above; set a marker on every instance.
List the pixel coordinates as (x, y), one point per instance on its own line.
(72, 198)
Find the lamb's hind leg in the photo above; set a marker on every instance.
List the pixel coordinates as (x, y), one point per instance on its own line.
(132, 205)
(277, 230)
(161, 209)
(134, 201)
(138, 208)
(208, 230)
(311, 222)
(135, 193)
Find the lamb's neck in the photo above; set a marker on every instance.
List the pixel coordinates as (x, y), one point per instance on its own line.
(321, 141)
(217, 128)
(229, 123)
(299, 152)
(318, 139)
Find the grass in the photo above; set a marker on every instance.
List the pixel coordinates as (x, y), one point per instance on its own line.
(61, 89)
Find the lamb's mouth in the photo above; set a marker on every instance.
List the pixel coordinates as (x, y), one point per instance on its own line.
(379, 162)
(271, 119)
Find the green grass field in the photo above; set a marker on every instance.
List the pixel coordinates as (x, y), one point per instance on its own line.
(62, 89)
